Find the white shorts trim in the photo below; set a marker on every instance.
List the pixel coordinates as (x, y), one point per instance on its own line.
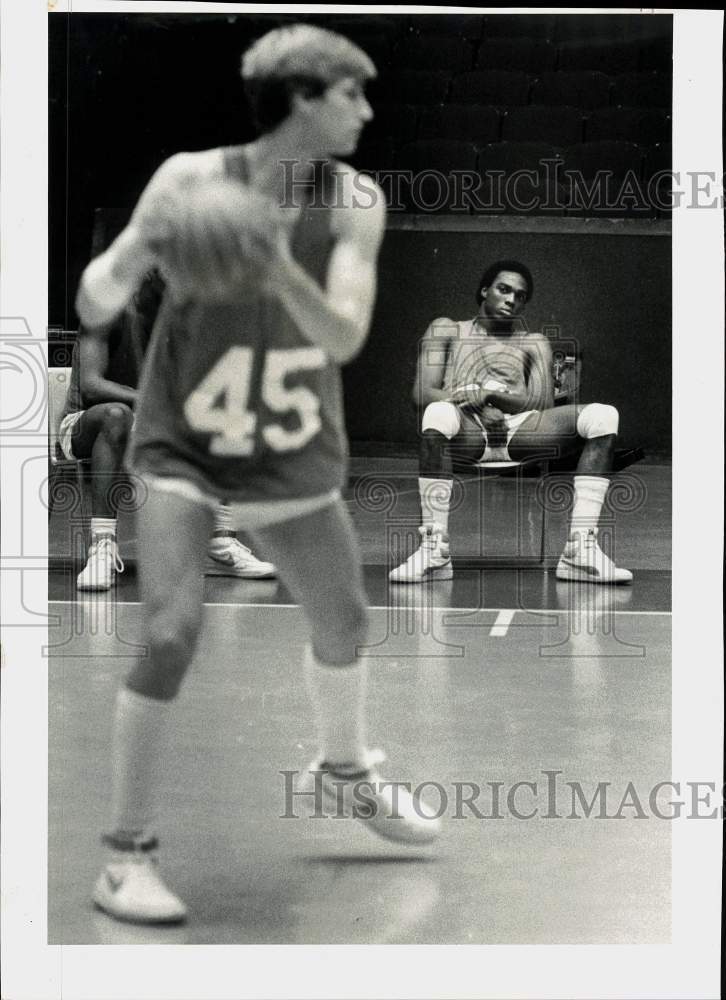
(500, 455)
(244, 515)
(65, 434)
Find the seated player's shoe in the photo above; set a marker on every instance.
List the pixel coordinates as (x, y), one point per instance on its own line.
(102, 565)
(130, 888)
(584, 561)
(431, 561)
(231, 558)
(384, 807)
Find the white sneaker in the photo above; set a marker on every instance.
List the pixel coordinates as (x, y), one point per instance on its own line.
(102, 565)
(431, 561)
(387, 808)
(235, 559)
(583, 560)
(130, 888)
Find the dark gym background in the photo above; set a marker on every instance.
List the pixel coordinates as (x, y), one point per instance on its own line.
(126, 91)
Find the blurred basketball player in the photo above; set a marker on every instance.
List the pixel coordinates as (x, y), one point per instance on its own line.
(272, 287)
(486, 390)
(96, 425)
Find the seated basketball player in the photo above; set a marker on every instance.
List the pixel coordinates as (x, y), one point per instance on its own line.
(96, 425)
(270, 289)
(486, 390)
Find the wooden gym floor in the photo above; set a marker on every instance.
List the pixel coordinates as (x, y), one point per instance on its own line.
(494, 677)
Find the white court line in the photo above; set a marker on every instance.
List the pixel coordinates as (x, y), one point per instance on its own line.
(401, 607)
(502, 623)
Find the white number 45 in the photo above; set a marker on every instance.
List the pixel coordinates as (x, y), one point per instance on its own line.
(219, 404)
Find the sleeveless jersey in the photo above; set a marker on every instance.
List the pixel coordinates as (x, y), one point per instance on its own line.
(234, 398)
(476, 357)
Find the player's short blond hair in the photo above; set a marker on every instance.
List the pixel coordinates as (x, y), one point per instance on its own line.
(307, 51)
(299, 58)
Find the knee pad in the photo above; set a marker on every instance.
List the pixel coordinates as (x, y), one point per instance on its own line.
(597, 420)
(442, 417)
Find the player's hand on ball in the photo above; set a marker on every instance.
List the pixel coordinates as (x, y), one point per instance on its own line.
(214, 239)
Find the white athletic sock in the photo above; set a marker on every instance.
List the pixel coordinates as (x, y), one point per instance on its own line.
(435, 499)
(590, 494)
(222, 521)
(139, 736)
(103, 526)
(338, 699)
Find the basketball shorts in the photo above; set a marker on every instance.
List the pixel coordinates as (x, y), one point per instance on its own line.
(65, 434)
(512, 421)
(245, 515)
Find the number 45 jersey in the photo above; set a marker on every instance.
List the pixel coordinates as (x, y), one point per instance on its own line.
(233, 397)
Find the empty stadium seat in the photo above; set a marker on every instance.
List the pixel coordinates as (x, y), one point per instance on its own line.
(396, 121)
(643, 90)
(532, 55)
(615, 157)
(604, 179)
(432, 53)
(376, 154)
(580, 90)
(512, 156)
(491, 87)
(475, 122)
(431, 162)
(410, 86)
(639, 125)
(600, 54)
(561, 126)
(438, 154)
(534, 193)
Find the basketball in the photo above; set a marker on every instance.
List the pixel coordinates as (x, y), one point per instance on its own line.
(214, 238)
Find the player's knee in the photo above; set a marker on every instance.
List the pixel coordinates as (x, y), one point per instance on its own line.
(117, 421)
(442, 417)
(596, 420)
(336, 641)
(171, 640)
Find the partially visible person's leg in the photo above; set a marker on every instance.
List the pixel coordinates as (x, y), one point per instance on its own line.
(101, 435)
(592, 429)
(173, 532)
(327, 582)
(229, 557)
(445, 431)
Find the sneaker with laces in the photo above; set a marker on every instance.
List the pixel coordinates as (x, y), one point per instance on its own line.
(431, 561)
(102, 565)
(232, 558)
(584, 561)
(387, 808)
(131, 888)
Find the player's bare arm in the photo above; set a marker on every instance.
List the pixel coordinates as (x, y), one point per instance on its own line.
(431, 366)
(540, 383)
(338, 317)
(112, 278)
(93, 357)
